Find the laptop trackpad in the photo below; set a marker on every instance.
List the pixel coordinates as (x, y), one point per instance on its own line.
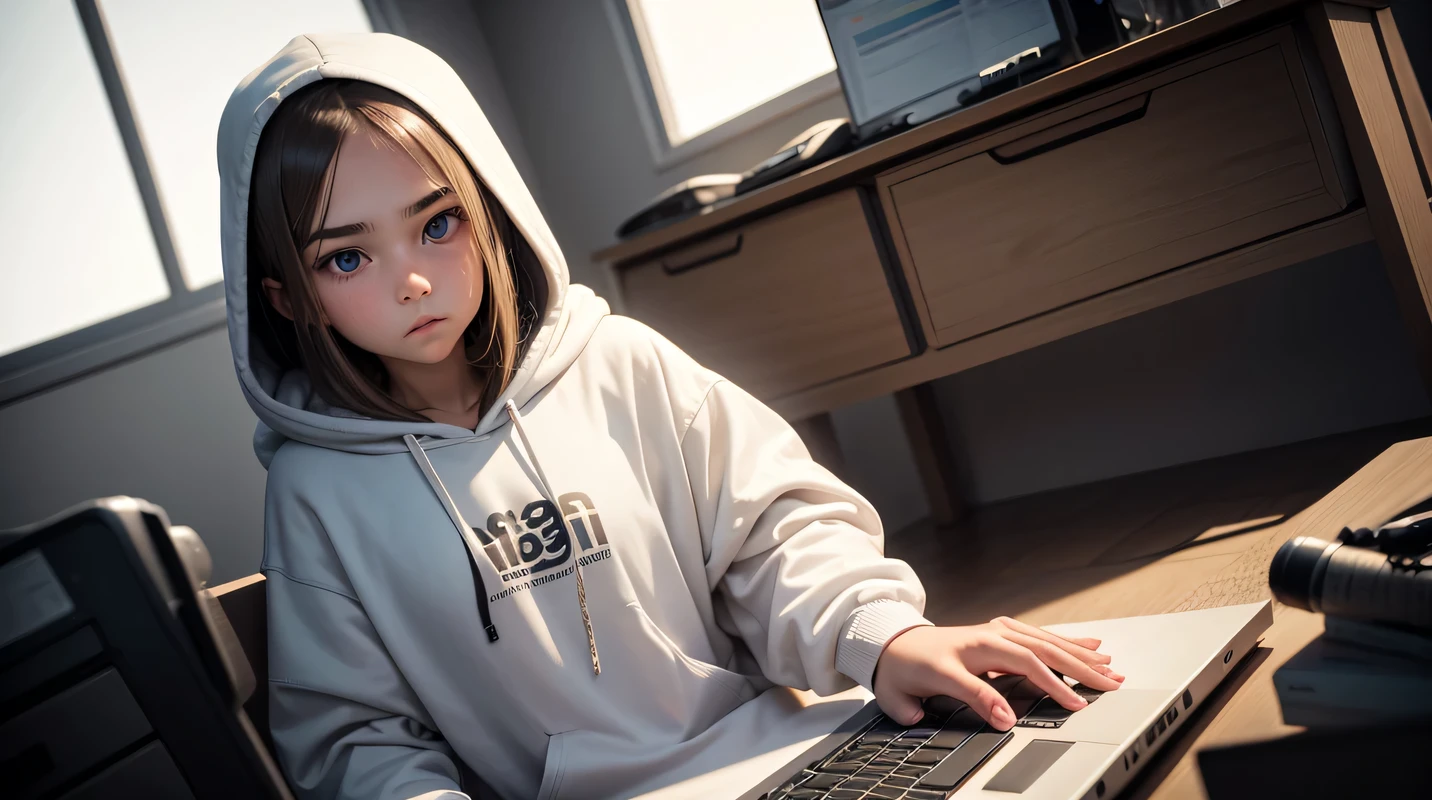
(1024, 769)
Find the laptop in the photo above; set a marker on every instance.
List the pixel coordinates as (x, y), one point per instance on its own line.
(902, 62)
(1172, 664)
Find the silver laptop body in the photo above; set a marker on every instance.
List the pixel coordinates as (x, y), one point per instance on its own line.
(1172, 663)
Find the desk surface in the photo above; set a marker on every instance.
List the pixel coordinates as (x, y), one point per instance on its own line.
(1193, 537)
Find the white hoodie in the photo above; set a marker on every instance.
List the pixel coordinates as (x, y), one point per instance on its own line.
(423, 601)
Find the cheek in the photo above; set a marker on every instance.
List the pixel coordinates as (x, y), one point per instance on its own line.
(354, 308)
(462, 272)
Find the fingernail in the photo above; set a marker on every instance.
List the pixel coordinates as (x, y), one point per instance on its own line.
(1004, 718)
(916, 717)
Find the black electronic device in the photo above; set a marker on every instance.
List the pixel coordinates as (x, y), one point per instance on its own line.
(901, 64)
(820, 142)
(1382, 575)
(119, 675)
(685, 199)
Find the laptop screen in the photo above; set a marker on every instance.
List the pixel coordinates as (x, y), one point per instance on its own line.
(891, 53)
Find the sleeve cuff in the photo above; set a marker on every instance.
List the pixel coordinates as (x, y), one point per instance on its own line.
(866, 633)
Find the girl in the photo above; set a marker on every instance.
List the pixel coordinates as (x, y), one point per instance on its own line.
(506, 530)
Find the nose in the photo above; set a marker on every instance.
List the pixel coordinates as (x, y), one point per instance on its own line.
(414, 286)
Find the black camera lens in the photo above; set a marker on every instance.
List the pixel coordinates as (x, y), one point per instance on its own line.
(1352, 582)
(1297, 569)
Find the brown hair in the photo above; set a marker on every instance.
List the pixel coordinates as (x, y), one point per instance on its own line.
(288, 198)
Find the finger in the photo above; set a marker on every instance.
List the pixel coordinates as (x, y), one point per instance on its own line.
(903, 708)
(1022, 660)
(980, 696)
(1112, 674)
(1060, 660)
(1085, 650)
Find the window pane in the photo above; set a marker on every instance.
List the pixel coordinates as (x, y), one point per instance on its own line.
(712, 61)
(78, 246)
(180, 63)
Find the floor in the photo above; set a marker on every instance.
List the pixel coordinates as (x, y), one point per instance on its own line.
(1020, 556)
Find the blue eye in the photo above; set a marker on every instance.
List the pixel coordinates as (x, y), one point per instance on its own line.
(440, 226)
(347, 261)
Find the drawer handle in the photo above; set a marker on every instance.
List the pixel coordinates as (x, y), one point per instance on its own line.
(1091, 124)
(703, 259)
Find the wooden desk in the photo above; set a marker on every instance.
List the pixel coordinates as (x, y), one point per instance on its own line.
(1235, 572)
(1196, 536)
(1243, 141)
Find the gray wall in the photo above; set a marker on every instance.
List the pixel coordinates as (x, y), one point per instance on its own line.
(1271, 361)
(172, 427)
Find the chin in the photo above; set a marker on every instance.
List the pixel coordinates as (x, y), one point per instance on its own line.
(432, 352)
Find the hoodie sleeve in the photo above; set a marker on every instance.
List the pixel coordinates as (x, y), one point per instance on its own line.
(345, 723)
(795, 556)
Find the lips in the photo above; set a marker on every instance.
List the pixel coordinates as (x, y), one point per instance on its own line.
(423, 324)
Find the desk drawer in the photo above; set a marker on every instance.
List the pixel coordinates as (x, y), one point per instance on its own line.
(779, 305)
(1203, 157)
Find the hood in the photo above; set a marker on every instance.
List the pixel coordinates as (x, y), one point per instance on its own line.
(284, 401)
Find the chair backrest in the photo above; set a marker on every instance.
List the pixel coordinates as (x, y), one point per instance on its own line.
(121, 675)
(245, 603)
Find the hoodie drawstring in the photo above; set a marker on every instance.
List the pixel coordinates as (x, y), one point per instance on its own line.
(552, 498)
(465, 532)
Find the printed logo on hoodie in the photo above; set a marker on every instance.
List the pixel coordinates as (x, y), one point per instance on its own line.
(543, 537)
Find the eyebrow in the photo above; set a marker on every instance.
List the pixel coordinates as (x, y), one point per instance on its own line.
(433, 197)
(337, 233)
(363, 227)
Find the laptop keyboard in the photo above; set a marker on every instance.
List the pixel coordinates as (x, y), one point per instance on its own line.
(928, 760)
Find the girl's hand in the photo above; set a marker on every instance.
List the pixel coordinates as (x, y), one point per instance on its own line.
(928, 661)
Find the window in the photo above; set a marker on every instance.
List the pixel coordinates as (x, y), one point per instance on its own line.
(78, 245)
(110, 204)
(705, 71)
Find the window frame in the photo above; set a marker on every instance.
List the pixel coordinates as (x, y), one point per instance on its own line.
(630, 37)
(186, 313)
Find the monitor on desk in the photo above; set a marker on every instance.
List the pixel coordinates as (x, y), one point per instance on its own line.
(905, 61)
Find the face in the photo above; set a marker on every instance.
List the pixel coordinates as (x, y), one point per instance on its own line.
(394, 267)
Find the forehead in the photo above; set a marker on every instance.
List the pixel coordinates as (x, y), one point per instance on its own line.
(373, 179)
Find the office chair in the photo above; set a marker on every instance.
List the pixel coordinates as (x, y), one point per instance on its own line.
(119, 674)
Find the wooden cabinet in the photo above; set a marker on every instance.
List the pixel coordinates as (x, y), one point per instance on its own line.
(1246, 140)
(780, 304)
(1194, 160)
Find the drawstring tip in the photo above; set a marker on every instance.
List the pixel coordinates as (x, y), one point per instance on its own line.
(491, 632)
